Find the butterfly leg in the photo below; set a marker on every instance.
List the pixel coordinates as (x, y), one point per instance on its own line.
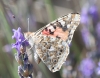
(37, 58)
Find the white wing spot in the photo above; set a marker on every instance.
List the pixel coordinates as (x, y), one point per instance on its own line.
(77, 17)
(51, 28)
(68, 25)
(69, 15)
(72, 31)
(62, 22)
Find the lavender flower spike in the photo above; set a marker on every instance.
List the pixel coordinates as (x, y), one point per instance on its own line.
(17, 34)
(19, 40)
(87, 67)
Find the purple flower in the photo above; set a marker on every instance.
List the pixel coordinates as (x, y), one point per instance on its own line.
(87, 66)
(98, 69)
(84, 16)
(87, 38)
(84, 19)
(20, 40)
(85, 35)
(17, 46)
(17, 34)
(94, 12)
(98, 30)
(93, 9)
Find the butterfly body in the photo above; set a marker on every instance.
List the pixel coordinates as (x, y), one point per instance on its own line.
(51, 43)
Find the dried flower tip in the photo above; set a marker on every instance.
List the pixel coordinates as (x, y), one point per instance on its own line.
(13, 16)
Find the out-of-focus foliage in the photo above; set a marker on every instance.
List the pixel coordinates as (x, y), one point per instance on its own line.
(84, 58)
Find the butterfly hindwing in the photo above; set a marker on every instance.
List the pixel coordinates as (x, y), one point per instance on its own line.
(52, 51)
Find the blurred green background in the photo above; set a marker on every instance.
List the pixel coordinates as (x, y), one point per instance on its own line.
(85, 44)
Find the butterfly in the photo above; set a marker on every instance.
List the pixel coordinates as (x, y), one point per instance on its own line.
(51, 42)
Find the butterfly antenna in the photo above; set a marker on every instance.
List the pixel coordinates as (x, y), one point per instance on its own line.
(28, 29)
(28, 24)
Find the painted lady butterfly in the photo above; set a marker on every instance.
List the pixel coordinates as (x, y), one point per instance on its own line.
(51, 42)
